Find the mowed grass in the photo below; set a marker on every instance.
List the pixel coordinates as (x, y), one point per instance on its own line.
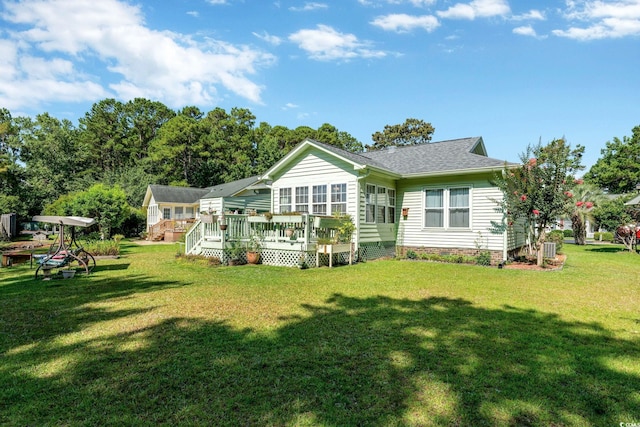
(148, 339)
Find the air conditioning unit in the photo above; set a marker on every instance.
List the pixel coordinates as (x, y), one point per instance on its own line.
(549, 250)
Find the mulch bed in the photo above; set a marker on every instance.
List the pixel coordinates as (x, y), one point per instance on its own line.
(550, 265)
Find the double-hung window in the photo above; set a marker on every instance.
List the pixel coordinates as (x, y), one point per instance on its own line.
(434, 208)
(302, 199)
(381, 202)
(447, 207)
(179, 212)
(285, 200)
(339, 198)
(319, 199)
(391, 209)
(459, 207)
(370, 203)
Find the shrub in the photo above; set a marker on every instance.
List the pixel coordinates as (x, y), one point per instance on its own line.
(102, 248)
(411, 255)
(484, 258)
(568, 233)
(604, 236)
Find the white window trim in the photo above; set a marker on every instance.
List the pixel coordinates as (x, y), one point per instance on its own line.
(446, 193)
(375, 204)
(328, 203)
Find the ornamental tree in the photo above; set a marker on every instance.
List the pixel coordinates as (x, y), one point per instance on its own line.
(537, 191)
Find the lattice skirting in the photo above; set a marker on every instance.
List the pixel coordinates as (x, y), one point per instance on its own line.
(376, 250)
(283, 258)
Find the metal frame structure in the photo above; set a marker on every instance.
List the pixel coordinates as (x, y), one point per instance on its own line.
(65, 250)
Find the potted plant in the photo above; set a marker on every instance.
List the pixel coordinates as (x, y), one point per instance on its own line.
(302, 263)
(253, 248)
(341, 240)
(68, 273)
(208, 217)
(223, 222)
(236, 252)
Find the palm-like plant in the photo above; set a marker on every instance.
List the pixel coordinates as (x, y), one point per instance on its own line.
(580, 208)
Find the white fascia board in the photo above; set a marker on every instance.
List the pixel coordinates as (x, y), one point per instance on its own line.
(456, 172)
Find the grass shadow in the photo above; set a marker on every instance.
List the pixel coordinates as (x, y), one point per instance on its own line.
(111, 267)
(607, 249)
(351, 361)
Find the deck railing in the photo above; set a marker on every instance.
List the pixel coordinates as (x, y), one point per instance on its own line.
(157, 230)
(272, 231)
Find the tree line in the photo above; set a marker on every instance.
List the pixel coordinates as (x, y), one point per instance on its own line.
(137, 143)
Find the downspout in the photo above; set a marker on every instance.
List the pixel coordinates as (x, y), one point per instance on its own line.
(358, 180)
(504, 243)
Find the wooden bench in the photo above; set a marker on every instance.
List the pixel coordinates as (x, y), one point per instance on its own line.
(9, 257)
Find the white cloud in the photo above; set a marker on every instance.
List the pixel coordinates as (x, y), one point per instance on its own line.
(193, 13)
(419, 3)
(529, 16)
(402, 23)
(602, 19)
(325, 44)
(476, 9)
(416, 3)
(309, 7)
(526, 30)
(290, 105)
(66, 35)
(274, 40)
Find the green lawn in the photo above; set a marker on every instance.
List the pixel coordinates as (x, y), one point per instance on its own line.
(148, 339)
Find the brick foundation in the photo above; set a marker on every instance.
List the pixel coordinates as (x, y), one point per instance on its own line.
(496, 256)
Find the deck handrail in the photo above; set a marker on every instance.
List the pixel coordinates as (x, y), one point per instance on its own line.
(301, 228)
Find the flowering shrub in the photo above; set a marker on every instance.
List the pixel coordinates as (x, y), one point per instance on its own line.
(537, 191)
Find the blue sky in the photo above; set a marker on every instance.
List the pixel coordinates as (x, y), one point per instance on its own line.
(512, 72)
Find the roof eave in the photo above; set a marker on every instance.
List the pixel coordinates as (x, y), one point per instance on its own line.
(470, 171)
(378, 170)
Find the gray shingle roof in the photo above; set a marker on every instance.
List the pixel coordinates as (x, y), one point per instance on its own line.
(441, 156)
(169, 194)
(230, 188)
(451, 155)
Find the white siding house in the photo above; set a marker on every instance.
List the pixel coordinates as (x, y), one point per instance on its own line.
(435, 197)
(171, 208)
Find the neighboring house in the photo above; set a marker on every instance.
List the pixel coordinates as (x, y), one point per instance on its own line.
(170, 209)
(165, 202)
(435, 197)
(243, 195)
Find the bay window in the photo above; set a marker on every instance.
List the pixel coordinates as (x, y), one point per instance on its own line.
(380, 204)
(370, 203)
